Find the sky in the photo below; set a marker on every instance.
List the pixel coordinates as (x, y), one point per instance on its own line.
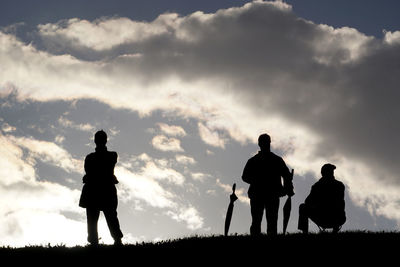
(184, 89)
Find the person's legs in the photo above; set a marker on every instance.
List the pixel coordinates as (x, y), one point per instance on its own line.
(336, 229)
(303, 219)
(92, 216)
(272, 208)
(257, 210)
(113, 225)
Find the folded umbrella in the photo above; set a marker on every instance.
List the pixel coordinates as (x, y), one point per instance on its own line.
(228, 217)
(287, 208)
(286, 213)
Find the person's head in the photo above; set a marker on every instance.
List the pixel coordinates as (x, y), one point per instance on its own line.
(100, 138)
(327, 170)
(264, 142)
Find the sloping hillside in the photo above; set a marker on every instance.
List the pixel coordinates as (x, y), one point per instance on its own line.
(293, 249)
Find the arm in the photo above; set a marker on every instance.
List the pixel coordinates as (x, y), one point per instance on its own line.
(247, 175)
(87, 167)
(115, 159)
(310, 198)
(342, 204)
(287, 179)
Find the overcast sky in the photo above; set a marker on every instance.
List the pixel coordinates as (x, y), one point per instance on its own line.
(183, 89)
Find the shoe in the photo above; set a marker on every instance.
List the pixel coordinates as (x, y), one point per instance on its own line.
(118, 242)
(93, 242)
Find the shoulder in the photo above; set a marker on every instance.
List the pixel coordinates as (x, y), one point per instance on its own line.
(90, 156)
(318, 184)
(254, 158)
(277, 158)
(253, 162)
(339, 184)
(112, 154)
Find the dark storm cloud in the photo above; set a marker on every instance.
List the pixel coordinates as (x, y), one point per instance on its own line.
(339, 83)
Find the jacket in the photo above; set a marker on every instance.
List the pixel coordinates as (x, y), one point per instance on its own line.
(264, 173)
(99, 189)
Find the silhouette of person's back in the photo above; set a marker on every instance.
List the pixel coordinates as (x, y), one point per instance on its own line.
(325, 204)
(99, 192)
(264, 173)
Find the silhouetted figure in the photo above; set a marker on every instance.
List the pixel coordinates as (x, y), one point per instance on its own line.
(325, 204)
(264, 173)
(99, 192)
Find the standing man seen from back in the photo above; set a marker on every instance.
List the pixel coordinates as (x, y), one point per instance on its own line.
(264, 173)
(99, 192)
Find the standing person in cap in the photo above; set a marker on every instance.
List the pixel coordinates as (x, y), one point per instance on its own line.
(99, 192)
(264, 173)
(325, 204)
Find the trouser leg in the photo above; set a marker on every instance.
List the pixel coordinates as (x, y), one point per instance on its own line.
(257, 210)
(303, 219)
(271, 213)
(92, 216)
(113, 223)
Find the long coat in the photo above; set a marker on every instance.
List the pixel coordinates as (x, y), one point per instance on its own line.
(99, 191)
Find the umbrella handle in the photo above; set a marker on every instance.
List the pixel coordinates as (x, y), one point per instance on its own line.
(233, 196)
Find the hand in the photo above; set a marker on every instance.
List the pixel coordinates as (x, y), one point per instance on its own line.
(233, 197)
(289, 189)
(290, 193)
(115, 179)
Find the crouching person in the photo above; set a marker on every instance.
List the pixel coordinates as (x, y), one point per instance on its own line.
(325, 204)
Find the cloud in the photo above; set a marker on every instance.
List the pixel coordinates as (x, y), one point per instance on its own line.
(141, 187)
(70, 124)
(161, 172)
(105, 33)
(7, 128)
(392, 38)
(210, 137)
(164, 143)
(48, 152)
(34, 207)
(171, 130)
(59, 139)
(324, 94)
(240, 193)
(13, 168)
(199, 176)
(145, 184)
(157, 169)
(189, 215)
(182, 159)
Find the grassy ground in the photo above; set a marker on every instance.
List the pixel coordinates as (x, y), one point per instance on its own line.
(312, 249)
